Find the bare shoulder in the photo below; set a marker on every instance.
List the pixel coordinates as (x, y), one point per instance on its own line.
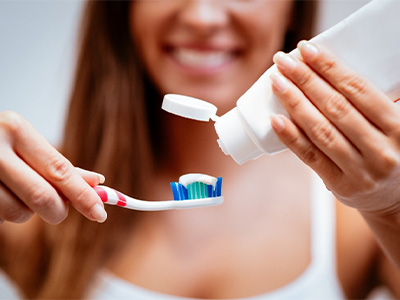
(16, 236)
(14, 232)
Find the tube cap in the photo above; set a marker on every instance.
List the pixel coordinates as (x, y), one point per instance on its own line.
(233, 140)
(189, 107)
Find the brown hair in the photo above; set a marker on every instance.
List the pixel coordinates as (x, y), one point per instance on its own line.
(302, 23)
(107, 130)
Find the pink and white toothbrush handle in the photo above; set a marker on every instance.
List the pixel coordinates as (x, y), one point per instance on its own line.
(113, 197)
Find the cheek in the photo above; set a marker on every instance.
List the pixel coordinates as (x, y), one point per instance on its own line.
(145, 21)
(265, 39)
(140, 23)
(270, 23)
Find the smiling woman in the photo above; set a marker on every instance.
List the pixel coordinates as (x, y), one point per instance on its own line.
(221, 45)
(267, 240)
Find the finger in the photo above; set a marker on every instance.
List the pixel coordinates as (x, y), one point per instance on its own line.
(368, 99)
(11, 209)
(56, 169)
(51, 165)
(28, 186)
(358, 130)
(92, 178)
(299, 144)
(316, 127)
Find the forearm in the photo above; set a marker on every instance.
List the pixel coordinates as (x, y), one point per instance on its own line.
(346, 130)
(386, 228)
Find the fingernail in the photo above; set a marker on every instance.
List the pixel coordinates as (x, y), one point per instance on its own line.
(277, 123)
(284, 61)
(308, 48)
(102, 179)
(98, 213)
(279, 82)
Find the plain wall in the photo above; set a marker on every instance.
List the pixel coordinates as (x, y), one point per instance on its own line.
(37, 56)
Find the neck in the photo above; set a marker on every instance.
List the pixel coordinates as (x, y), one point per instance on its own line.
(192, 148)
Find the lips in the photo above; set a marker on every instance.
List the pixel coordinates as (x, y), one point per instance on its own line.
(202, 59)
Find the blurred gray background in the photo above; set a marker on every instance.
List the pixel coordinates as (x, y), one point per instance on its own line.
(37, 55)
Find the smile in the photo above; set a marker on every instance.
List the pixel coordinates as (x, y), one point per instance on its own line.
(201, 59)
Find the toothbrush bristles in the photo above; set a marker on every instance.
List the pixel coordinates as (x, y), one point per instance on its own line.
(196, 190)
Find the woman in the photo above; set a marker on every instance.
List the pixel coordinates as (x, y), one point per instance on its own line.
(261, 241)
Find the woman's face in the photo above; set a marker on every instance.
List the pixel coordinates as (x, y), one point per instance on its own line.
(209, 49)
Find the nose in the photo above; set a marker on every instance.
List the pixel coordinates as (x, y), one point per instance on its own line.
(204, 16)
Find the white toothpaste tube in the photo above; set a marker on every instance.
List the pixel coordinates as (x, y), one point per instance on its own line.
(368, 41)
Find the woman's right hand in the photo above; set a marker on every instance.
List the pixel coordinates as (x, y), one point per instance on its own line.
(36, 178)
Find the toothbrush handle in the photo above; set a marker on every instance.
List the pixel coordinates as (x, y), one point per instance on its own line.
(110, 196)
(113, 197)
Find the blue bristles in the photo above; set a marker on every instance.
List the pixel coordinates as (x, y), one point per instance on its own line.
(196, 190)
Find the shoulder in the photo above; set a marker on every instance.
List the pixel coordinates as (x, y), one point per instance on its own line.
(16, 266)
(16, 235)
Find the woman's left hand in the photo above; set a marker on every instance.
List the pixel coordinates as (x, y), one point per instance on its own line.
(342, 126)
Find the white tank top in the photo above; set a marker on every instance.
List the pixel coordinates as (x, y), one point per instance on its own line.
(318, 281)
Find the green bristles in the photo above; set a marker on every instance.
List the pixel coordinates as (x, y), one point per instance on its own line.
(197, 190)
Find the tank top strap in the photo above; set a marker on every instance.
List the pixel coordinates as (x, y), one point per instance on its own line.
(323, 225)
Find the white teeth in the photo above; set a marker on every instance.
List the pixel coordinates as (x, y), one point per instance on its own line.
(196, 58)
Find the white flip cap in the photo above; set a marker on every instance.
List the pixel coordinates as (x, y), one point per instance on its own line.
(189, 107)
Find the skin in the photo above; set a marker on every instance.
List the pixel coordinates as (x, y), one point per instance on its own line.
(242, 35)
(26, 157)
(350, 139)
(221, 252)
(184, 24)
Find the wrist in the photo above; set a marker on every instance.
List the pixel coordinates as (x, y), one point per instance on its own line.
(389, 215)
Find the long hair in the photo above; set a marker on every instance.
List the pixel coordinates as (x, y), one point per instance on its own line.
(108, 130)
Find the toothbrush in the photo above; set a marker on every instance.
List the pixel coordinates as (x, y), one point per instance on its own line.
(192, 190)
